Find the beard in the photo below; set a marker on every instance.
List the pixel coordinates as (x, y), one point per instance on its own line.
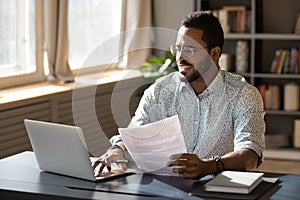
(194, 76)
(199, 71)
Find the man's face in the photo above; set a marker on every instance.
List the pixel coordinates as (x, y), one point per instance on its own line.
(192, 59)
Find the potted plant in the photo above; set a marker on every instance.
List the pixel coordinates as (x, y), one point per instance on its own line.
(156, 67)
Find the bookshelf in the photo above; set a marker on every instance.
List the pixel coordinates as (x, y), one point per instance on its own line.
(271, 27)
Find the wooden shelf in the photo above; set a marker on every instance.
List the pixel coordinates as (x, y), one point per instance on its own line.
(276, 36)
(282, 112)
(262, 36)
(276, 76)
(283, 154)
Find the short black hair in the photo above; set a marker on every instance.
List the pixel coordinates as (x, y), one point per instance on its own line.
(213, 33)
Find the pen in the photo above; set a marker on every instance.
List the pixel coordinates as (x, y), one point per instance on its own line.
(119, 161)
(113, 161)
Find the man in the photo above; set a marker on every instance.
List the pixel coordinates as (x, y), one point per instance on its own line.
(221, 115)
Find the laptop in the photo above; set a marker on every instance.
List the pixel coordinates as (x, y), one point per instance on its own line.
(62, 149)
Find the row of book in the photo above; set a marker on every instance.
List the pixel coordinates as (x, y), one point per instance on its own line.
(234, 19)
(276, 97)
(286, 61)
(270, 96)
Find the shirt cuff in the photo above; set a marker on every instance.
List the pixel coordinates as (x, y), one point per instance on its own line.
(254, 147)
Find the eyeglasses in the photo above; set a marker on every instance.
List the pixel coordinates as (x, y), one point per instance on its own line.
(186, 50)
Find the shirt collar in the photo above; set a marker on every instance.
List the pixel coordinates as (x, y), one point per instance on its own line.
(216, 87)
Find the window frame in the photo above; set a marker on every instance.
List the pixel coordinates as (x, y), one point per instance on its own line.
(38, 75)
(106, 66)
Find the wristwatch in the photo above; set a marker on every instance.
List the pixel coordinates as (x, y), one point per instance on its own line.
(219, 163)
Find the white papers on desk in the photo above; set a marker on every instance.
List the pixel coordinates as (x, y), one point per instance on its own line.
(151, 145)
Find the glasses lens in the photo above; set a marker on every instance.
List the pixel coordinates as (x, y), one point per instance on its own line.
(187, 51)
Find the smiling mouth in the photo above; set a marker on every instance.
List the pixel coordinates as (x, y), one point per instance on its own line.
(184, 68)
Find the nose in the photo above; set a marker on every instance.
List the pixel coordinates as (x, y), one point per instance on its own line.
(180, 56)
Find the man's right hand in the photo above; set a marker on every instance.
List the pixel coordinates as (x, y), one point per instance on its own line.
(107, 160)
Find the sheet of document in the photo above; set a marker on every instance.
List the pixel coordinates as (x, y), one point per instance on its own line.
(151, 145)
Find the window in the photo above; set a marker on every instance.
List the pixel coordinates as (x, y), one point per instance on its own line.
(92, 24)
(18, 43)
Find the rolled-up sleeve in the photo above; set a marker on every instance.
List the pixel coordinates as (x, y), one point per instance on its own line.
(249, 122)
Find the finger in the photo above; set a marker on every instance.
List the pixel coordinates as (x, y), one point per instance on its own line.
(95, 164)
(186, 172)
(188, 175)
(100, 170)
(176, 156)
(183, 162)
(186, 156)
(177, 163)
(123, 166)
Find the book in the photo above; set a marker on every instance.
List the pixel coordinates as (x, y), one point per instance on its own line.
(280, 61)
(236, 18)
(268, 99)
(275, 95)
(286, 62)
(293, 60)
(275, 61)
(262, 88)
(234, 182)
(233, 19)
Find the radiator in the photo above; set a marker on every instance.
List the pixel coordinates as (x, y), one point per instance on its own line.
(13, 137)
(59, 108)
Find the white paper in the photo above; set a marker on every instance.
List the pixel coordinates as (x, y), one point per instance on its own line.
(151, 145)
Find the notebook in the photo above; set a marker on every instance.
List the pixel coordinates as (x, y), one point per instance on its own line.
(62, 149)
(234, 182)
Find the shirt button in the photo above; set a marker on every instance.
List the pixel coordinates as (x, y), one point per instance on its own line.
(196, 122)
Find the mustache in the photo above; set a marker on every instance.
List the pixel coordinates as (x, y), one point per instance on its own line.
(184, 62)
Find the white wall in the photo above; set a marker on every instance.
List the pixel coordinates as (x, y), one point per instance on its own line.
(168, 15)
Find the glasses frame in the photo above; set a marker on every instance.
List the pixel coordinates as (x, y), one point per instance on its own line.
(186, 50)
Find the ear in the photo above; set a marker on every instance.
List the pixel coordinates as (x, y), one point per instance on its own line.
(215, 53)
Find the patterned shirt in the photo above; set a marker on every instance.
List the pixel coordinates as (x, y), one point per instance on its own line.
(225, 117)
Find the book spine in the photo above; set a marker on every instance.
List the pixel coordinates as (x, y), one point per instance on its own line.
(233, 19)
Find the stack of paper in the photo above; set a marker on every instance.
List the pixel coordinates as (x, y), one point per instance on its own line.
(151, 145)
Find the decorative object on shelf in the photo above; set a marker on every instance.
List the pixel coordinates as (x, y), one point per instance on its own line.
(226, 62)
(297, 25)
(242, 54)
(296, 138)
(291, 97)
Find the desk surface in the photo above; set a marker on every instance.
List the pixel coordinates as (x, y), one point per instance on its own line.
(20, 177)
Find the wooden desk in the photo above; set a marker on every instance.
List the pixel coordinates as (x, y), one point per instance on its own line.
(20, 178)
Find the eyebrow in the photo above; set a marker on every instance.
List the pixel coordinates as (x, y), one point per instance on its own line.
(190, 46)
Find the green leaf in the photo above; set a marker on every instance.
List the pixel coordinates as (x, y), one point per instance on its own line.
(156, 60)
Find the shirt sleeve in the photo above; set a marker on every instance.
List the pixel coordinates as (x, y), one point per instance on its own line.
(249, 122)
(157, 103)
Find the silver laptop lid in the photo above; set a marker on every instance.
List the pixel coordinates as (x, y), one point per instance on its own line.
(60, 149)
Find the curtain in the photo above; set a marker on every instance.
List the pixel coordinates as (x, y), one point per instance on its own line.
(56, 40)
(136, 36)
